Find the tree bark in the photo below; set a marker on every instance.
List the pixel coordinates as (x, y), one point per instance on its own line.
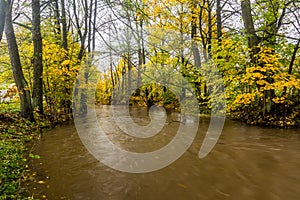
(139, 28)
(84, 27)
(203, 35)
(129, 77)
(64, 26)
(210, 29)
(88, 63)
(253, 40)
(219, 22)
(2, 18)
(57, 28)
(82, 31)
(195, 50)
(196, 55)
(64, 43)
(111, 59)
(24, 93)
(37, 93)
(294, 56)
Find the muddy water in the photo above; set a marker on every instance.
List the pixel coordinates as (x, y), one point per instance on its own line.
(247, 163)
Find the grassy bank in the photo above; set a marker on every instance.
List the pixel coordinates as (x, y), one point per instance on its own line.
(17, 139)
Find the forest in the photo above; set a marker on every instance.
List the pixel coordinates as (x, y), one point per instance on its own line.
(252, 46)
(239, 57)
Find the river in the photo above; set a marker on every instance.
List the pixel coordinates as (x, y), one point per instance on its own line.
(247, 162)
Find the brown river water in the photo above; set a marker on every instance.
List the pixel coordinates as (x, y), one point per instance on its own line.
(247, 162)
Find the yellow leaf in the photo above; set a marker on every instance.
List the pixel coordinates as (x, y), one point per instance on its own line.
(182, 185)
(41, 182)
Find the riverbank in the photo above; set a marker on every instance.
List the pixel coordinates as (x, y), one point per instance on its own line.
(18, 138)
(274, 121)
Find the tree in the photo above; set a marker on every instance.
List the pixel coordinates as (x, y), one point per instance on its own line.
(37, 93)
(195, 49)
(253, 39)
(64, 26)
(21, 83)
(2, 18)
(219, 22)
(294, 56)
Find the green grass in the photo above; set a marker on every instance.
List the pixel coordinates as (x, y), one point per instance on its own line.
(16, 139)
(12, 106)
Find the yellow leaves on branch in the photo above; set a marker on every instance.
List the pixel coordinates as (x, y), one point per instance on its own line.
(278, 99)
(178, 15)
(262, 82)
(266, 75)
(245, 98)
(66, 63)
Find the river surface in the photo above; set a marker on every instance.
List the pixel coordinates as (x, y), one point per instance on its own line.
(247, 162)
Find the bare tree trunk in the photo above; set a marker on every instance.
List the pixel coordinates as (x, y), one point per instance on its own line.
(139, 27)
(64, 43)
(90, 26)
(123, 78)
(84, 35)
(202, 34)
(37, 93)
(64, 26)
(129, 78)
(2, 18)
(57, 18)
(209, 34)
(112, 74)
(82, 31)
(219, 22)
(111, 60)
(183, 90)
(195, 50)
(24, 93)
(88, 63)
(294, 56)
(253, 40)
(94, 26)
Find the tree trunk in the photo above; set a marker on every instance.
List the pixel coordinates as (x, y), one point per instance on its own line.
(292, 62)
(82, 36)
(202, 33)
(139, 27)
(123, 78)
(195, 50)
(219, 22)
(37, 93)
(294, 56)
(94, 26)
(57, 28)
(88, 63)
(210, 26)
(2, 18)
(82, 31)
(249, 27)
(24, 93)
(64, 26)
(64, 43)
(129, 78)
(111, 59)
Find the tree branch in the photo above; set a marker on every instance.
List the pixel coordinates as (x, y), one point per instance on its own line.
(22, 25)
